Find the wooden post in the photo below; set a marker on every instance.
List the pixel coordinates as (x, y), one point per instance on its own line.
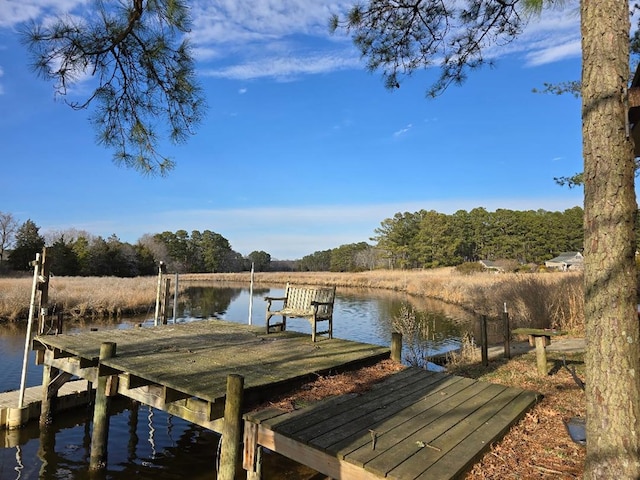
(48, 400)
(165, 303)
(158, 294)
(256, 474)
(43, 286)
(484, 340)
(252, 452)
(541, 354)
(100, 434)
(232, 428)
(175, 300)
(507, 332)
(396, 347)
(133, 429)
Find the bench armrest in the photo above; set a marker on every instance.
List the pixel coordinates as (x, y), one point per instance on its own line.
(274, 298)
(321, 303)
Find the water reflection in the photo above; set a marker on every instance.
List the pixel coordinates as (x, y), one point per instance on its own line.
(150, 444)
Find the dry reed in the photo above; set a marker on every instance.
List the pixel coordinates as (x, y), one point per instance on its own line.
(540, 299)
(80, 296)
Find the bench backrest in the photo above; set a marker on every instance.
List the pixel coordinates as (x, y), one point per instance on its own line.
(300, 298)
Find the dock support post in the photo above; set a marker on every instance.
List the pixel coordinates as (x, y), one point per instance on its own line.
(48, 396)
(100, 434)
(232, 428)
(485, 340)
(396, 347)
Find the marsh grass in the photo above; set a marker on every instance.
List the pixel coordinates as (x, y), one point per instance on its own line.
(414, 332)
(101, 297)
(540, 299)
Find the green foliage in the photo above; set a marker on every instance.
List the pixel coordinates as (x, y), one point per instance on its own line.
(345, 257)
(28, 242)
(201, 252)
(319, 261)
(401, 37)
(427, 239)
(261, 261)
(137, 54)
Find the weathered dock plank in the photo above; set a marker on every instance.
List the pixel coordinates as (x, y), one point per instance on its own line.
(194, 359)
(414, 425)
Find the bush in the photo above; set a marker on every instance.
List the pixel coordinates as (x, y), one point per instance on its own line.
(469, 268)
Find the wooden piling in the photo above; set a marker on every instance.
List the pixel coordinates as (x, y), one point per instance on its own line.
(47, 405)
(507, 332)
(232, 428)
(165, 300)
(100, 434)
(485, 341)
(396, 347)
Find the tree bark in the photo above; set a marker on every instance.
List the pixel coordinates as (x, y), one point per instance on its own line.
(612, 330)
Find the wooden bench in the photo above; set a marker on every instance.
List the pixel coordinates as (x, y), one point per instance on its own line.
(313, 303)
(539, 338)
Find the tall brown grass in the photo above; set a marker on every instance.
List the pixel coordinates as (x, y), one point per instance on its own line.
(80, 296)
(533, 299)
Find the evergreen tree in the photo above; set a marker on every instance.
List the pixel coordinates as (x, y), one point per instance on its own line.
(138, 54)
(28, 242)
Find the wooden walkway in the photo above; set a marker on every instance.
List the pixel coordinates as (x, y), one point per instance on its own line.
(183, 369)
(71, 394)
(414, 425)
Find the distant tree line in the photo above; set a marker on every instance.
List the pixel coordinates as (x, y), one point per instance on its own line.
(422, 239)
(79, 253)
(426, 239)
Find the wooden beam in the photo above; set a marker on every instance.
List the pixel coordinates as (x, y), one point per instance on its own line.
(57, 353)
(134, 381)
(312, 457)
(57, 382)
(72, 365)
(171, 395)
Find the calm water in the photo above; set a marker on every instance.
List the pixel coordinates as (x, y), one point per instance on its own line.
(146, 443)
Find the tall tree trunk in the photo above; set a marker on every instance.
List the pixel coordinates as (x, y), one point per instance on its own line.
(612, 330)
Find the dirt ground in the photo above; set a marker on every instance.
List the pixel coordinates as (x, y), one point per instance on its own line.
(537, 447)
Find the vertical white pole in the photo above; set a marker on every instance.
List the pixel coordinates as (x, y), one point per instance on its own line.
(175, 301)
(251, 296)
(27, 340)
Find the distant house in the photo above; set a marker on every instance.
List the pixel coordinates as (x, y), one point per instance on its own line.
(492, 265)
(566, 261)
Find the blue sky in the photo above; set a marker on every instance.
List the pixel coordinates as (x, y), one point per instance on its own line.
(302, 149)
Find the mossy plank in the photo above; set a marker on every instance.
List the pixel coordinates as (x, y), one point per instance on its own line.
(196, 358)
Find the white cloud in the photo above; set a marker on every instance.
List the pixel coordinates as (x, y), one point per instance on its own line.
(284, 68)
(1, 86)
(14, 12)
(403, 131)
(242, 91)
(555, 53)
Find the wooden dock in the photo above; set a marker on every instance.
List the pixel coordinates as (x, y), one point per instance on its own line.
(414, 425)
(71, 394)
(183, 369)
